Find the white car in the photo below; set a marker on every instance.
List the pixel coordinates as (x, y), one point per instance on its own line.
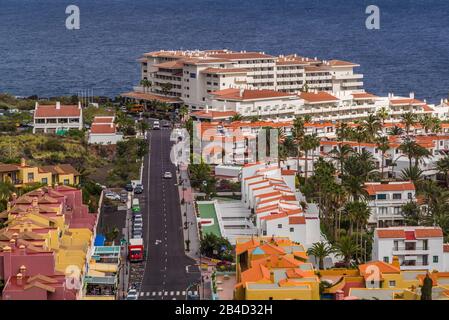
(112, 196)
(132, 294)
(167, 175)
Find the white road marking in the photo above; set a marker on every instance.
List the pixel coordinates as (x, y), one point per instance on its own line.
(153, 294)
(172, 293)
(165, 293)
(142, 293)
(183, 293)
(148, 294)
(159, 293)
(177, 293)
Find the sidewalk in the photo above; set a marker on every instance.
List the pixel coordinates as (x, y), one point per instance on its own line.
(192, 232)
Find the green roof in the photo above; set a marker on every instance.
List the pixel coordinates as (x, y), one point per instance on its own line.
(207, 211)
(107, 250)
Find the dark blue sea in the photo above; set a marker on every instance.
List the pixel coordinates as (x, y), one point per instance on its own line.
(38, 55)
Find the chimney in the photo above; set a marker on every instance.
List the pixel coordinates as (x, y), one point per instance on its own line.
(412, 95)
(272, 276)
(395, 262)
(339, 295)
(58, 105)
(36, 105)
(79, 104)
(12, 243)
(19, 277)
(241, 92)
(23, 270)
(23, 162)
(207, 108)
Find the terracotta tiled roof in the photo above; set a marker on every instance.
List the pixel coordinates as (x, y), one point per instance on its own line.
(317, 97)
(428, 233)
(391, 233)
(382, 266)
(406, 101)
(372, 189)
(446, 247)
(363, 95)
(211, 114)
(50, 111)
(341, 63)
(246, 94)
(175, 64)
(297, 220)
(102, 128)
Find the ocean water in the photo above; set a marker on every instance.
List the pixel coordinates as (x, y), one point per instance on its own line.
(38, 55)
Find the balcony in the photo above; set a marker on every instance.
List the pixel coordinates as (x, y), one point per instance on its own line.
(418, 250)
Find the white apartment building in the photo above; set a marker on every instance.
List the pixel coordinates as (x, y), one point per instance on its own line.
(268, 192)
(267, 104)
(57, 118)
(417, 248)
(386, 200)
(194, 74)
(104, 131)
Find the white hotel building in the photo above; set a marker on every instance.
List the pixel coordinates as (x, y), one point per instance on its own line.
(222, 83)
(418, 248)
(195, 74)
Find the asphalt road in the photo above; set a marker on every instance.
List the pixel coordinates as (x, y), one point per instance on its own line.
(168, 271)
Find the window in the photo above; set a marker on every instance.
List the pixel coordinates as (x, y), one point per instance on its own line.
(381, 196)
(397, 196)
(397, 210)
(409, 195)
(66, 181)
(193, 75)
(435, 259)
(392, 283)
(292, 229)
(279, 226)
(30, 177)
(386, 259)
(44, 180)
(383, 211)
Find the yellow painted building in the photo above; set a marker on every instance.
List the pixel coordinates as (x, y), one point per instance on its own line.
(23, 174)
(39, 219)
(274, 269)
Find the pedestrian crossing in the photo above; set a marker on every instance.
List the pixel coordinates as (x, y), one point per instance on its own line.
(173, 294)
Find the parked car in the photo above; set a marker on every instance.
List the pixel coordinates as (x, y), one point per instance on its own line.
(112, 196)
(137, 234)
(167, 175)
(124, 196)
(137, 225)
(137, 217)
(129, 187)
(132, 294)
(138, 189)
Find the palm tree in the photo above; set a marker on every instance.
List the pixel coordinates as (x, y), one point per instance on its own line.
(340, 154)
(383, 115)
(342, 131)
(443, 167)
(358, 213)
(409, 119)
(383, 146)
(320, 250)
(143, 126)
(6, 189)
(298, 132)
(347, 249)
(413, 151)
(237, 117)
(395, 131)
(426, 122)
(166, 88)
(371, 126)
(183, 111)
(309, 143)
(412, 214)
(413, 174)
(145, 83)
